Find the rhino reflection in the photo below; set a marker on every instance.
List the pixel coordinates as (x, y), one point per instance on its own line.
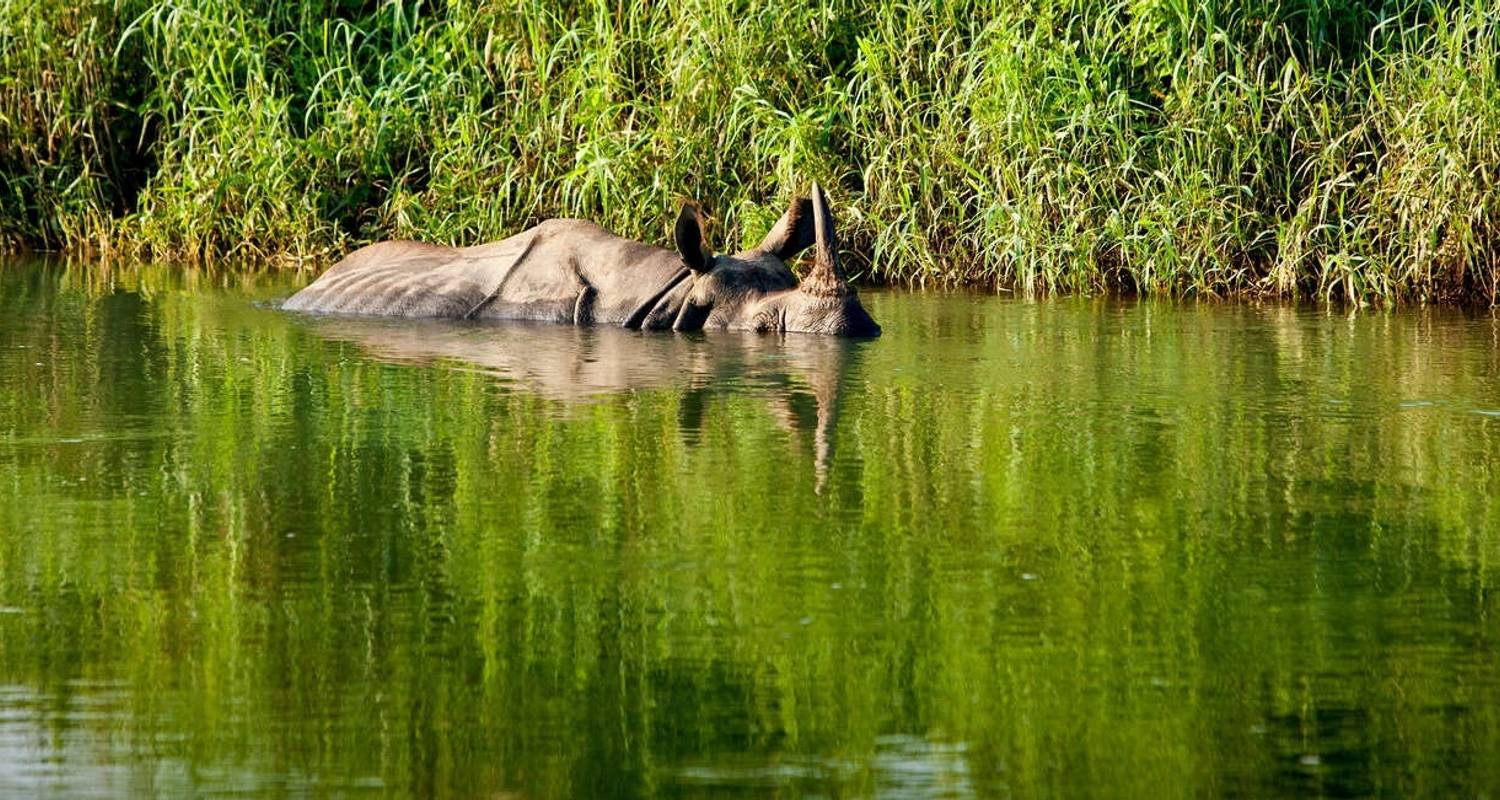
(800, 377)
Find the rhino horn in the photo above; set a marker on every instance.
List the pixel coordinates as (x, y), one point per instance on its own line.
(825, 278)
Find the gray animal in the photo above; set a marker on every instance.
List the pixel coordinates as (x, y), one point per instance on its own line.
(572, 271)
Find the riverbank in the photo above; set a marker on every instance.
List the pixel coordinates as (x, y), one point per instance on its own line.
(1296, 149)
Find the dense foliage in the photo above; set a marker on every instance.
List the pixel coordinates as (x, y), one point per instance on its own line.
(1323, 148)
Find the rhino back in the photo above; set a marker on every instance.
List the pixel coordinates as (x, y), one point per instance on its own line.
(559, 271)
(574, 271)
(409, 279)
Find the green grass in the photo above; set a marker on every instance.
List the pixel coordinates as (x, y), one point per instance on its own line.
(1327, 149)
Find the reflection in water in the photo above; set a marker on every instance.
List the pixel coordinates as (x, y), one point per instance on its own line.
(900, 766)
(1059, 548)
(573, 364)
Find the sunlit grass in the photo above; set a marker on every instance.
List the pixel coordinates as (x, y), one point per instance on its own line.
(1316, 148)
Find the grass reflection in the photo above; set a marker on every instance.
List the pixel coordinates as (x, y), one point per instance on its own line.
(1045, 548)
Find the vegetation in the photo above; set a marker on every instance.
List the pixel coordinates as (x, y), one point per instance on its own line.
(1336, 149)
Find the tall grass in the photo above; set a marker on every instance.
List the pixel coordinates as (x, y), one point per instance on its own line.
(1318, 148)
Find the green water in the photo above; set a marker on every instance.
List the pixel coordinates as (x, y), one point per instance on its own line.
(1056, 548)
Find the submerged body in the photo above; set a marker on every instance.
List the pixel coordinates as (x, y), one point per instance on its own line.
(576, 272)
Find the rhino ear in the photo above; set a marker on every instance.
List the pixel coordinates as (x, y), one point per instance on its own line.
(689, 234)
(791, 234)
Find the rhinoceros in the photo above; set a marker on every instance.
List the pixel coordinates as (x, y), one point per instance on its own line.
(575, 272)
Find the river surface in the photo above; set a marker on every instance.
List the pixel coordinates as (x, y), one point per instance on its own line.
(1012, 548)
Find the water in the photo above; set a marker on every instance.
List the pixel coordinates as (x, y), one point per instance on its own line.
(1050, 548)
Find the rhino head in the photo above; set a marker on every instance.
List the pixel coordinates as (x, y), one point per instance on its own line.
(755, 290)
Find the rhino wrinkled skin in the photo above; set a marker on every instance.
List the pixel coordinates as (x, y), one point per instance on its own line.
(575, 272)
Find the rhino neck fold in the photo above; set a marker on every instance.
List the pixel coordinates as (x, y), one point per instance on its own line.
(660, 308)
(504, 276)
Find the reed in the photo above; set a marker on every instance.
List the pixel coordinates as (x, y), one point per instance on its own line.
(1329, 149)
